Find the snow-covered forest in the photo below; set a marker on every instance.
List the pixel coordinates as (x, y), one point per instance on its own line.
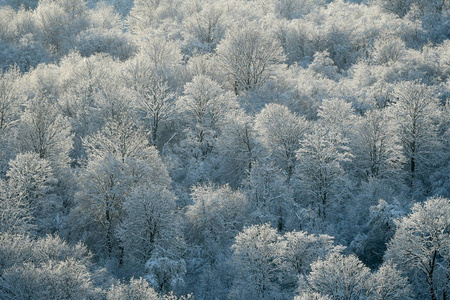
(225, 149)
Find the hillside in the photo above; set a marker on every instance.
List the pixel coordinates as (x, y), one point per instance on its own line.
(233, 149)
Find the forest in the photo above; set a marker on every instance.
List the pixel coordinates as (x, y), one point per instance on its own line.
(225, 149)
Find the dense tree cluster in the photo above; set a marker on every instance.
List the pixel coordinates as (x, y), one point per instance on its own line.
(262, 149)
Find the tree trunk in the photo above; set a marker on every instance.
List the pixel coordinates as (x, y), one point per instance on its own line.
(432, 264)
(108, 233)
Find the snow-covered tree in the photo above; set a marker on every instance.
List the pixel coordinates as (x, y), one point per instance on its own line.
(106, 183)
(105, 34)
(312, 296)
(154, 95)
(10, 98)
(237, 146)
(99, 204)
(17, 249)
(113, 100)
(256, 259)
(416, 109)
(270, 197)
(15, 217)
(320, 170)
(120, 138)
(152, 15)
(66, 279)
(203, 106)
(149, 224)
(377, 147)
(43, 130)
(137, 289)
(28, 199)
(217, 215)
(248, 57)
(302, 249)
(387, 49)
(165, 273)
(323, 66)
(337, 115)
(119, 160)
(45, 268)
(87, 96)
(204, 29)
(280, 131)
(339, 276)
(388, 283)
(59, 22)
(420, 247)
(160, 53)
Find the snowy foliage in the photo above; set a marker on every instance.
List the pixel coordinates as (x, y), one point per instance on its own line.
(236, 149)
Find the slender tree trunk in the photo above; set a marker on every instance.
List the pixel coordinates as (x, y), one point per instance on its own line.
(155, 129)
(413, 163)
(430, 274)
(122, 254)
(280, 219)
(108, 233)
(322, 212)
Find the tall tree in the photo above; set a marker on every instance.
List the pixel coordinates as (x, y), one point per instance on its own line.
(320, 170)
(302, 249)
(339, 276)
(204, 29)
(217, 215)
(154, 94)
(203, 105)
(10, 98)
(417, 110)
(137, 289)
(270, 197)
(99, 204)
(377, 147)
(28, 199)
(43, 130)
(59, 22)
(119, 159)
(256, 259)
(420, 247)
(280, 131)
(248, 57)
(149, 226)
(45, 267)
(388, 282)
(337, 115)
(237, 146)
